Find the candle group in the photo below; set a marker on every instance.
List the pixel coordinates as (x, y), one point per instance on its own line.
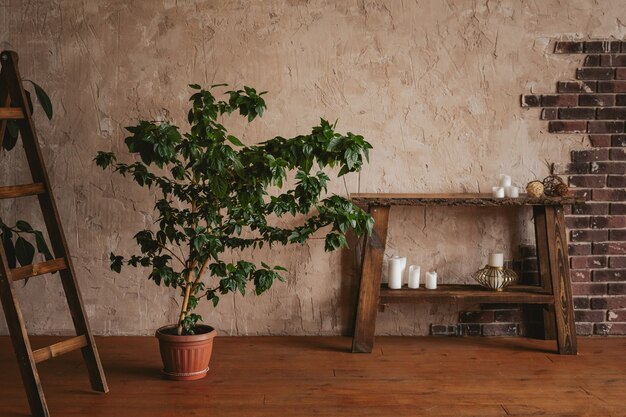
(505, 188)
(396, 271)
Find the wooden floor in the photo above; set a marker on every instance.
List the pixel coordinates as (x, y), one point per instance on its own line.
(316, 376)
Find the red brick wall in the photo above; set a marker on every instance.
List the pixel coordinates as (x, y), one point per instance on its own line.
(594, 104)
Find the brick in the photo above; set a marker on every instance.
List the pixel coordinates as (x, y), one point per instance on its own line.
(499, 329)
(596, 288)
(600, 141)
(607, 222)
(609, 275)
(617, 288)
(577, 222)
(550, 113)
(609, 195)
(620, 73)
(617, 154)
(599, 100)
(581, 193)
(584, 329)
(608, 168)
(595, 73)
(613, 126)
(529, 264)
(617, 208)
(476, 316)
(568, 47)
(527, 251)
(592, 61)
(575, 249)
(581, 302)
(611, 86)
(620, 100)
(611, 113)
(606, 329)
(443, 330)
(609, 303)
(592, 316)
(618, 140)
(609, 248)
(530, 278)
(617, 235)
(590, 208)
(583, 262)
(581, 275)
(469, 329)
(587, 181)
(567, 127)
(576, 87)
(600, 47)
(618, 181)
(559, 100)
(613, 60)
(572, 168)
(590, 155)
(617, 262)
(616, 315)
(507, 316)
(589, 235)
(577, 113)
(531, 100)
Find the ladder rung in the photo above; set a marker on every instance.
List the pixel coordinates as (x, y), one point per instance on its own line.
(11, 113)
(40, 268)
(14, 191)
(60, 348)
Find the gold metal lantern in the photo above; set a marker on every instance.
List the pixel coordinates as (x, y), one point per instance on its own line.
(495, 278)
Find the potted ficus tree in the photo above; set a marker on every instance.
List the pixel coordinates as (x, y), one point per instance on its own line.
(217, 194)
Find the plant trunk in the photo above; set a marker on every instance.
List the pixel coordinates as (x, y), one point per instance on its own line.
(183, 310)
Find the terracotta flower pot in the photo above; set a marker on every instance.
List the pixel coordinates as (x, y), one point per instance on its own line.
(186, 358)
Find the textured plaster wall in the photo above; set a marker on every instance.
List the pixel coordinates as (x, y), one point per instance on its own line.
(433, 85)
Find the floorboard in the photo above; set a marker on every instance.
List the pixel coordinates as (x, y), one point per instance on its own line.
(317, 376)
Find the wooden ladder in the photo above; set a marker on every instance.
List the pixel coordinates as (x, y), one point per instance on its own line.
(13, 105)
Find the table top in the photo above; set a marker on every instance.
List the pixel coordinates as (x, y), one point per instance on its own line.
(459, 199)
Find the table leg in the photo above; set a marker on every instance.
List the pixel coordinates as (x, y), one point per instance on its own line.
(369, 289)
(561, 280)
(543, 260)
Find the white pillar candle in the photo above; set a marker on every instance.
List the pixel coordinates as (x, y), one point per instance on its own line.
(505, 180)
(498, 192)
(496, 260)
(397, 265)
(414, 276)
(511, 192)
(430, 280)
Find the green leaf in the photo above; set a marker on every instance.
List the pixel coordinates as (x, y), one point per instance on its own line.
(195, 86)
(11, 134)
(116, 262)
(42, 247)
(24, 251)
(23, 226)
(9, 249)
(44, 100)
(234, 140)
(29, 99)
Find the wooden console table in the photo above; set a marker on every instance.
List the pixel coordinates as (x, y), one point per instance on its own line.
(554, 293)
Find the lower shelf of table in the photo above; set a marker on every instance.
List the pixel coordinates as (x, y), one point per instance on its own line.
(516, 294)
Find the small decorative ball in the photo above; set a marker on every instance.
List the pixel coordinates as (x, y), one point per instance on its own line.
(554, 186)
(534, 189)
